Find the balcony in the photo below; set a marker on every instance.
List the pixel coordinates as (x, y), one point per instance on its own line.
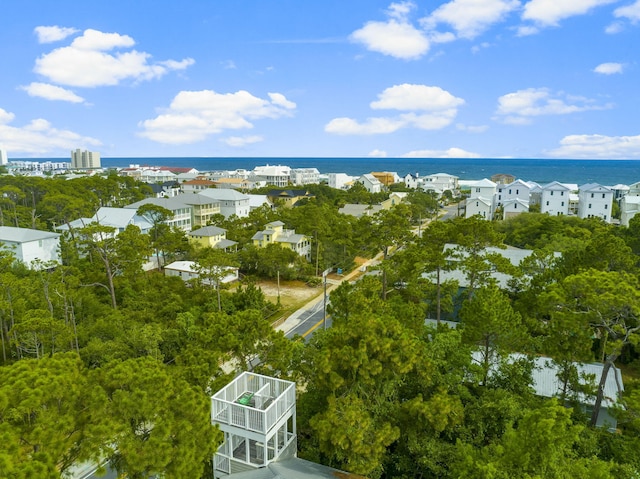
(253, 402)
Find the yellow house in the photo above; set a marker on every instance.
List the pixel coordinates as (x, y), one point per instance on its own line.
(211, 236)
(395, 198)
(202, 208)
(274, 233)
(288, 197)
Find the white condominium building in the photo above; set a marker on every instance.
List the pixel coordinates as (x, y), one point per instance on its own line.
(3, 157)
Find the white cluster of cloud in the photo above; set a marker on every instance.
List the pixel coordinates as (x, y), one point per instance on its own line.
(38, 136)
(399, 37)
(51, 92)
(426, 107)
(90, 61)
(93, 59)
(519, 107)
(598, 147)
(53, 33)
(195, 115)
(609, 68)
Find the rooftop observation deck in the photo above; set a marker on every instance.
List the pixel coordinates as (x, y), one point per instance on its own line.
(253, 402)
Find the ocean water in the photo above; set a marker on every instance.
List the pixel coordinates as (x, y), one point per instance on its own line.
(604, 172)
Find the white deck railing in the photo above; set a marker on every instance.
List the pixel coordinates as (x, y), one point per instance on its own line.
(273, 398)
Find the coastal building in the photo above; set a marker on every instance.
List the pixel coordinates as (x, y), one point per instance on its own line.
(181, 212)
(503, 178)
(288, 197)
(196, 185)
(629, 207)
(231, 202)
(168, 189)
(242, 184)
(371, 183)
(84, 159)
(440, 182)
(387, 178)
(211, 237)
(203, 208)
(116, 218)
(619, 191)
(595, 201)
(305, 176)
(274, 233)
(514, 207)
(481, 199)
(34, 248)
(479, 206)
(340, 181)
(3, 157)
(394, 199)
(258, 201)
(554, 198)
(634, 189)
(276, 175)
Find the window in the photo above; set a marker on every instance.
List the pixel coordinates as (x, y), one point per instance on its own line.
(591, 195)
(477, 190)
(517, 192)
(547, 203)
(589, 205)
(562, 204)
(562, 193)
(606, 207)
(552, 193)
(602, 195)
(509, 190)
(499, 197)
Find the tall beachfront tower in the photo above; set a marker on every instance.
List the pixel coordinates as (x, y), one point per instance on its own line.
(257, 415)
(84, 159)
(3, 157)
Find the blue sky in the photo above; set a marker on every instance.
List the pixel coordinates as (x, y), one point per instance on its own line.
(321, 78)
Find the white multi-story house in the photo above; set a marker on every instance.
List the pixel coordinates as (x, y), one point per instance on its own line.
(440, 182)
(595, 201)
(480, 201)
(232, 202)
(276, 175)
(514, 207)
(32, 247)
(479, 206)
(305, 176)
(517, 190)
(629, 207)
(619, 191)
(182, 212)
(371, 183)
(3, 157)
(634, 189)
(339, 181)
(554, 198)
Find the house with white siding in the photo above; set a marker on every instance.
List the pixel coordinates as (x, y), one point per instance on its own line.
(232, 202)
(595, 201)
(554, 198)
(371, 183)
(629, 207)
(182, 212)
(31, 247)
